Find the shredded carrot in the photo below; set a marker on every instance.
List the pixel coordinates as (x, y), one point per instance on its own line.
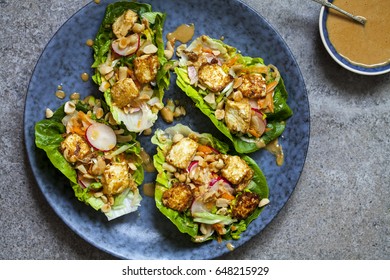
(207, 50)
(228, 196)
(75, 128)
(271, 86)
(270, 101)
(254, 133)
(261, 103)
(78, 124)
(219, 228)
(205, 149)
(267, 103)
(231, 61)
(82, 116)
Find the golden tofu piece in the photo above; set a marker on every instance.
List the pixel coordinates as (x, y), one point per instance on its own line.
(75, 148)
(146, 67)
(116, 178)
(181, 153)
(124, 23)
(246, 203)
(238, 115)
(179, 197)
(236, 170)
(213, 77)
(123, 92)
(253, 86)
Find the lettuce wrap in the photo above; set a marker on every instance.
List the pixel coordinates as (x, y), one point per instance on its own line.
(244, 98)
(130, 67)
(205, 192)
(99, 157)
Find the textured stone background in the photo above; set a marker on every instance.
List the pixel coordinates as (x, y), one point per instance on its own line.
(340, 208)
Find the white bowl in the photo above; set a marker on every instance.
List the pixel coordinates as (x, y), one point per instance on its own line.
(341, 60)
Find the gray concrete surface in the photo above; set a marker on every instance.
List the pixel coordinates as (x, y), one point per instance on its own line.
(340, 208)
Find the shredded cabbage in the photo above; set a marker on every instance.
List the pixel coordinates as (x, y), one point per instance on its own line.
(137, 121)
(126, 202)
(209, 218)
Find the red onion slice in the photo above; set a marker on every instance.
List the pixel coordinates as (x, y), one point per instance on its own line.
(192, 165)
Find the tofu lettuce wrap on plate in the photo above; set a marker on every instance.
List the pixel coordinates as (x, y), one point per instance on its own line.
(244, 98)
(99, 157)
(206, 192)
(130, 67)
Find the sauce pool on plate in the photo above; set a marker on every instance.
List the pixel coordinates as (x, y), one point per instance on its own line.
(183, 33)
(368, 45)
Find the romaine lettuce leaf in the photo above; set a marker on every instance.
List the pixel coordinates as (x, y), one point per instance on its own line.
(102, 51)
(276, 120)
(48, 137)
(184, 221)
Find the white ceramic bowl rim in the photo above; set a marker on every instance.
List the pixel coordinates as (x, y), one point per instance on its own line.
(341, 60)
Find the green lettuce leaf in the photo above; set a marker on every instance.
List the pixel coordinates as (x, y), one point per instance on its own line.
(184, 221)
(48, 137)
(102, 47)
(276, 120)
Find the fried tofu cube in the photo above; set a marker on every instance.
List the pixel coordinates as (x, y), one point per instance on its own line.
(213, 77)
(236, 170)
(238, 115)
(123, 92)
(116, 178)
(124, 23)
(246, 203)
(74, 148)
(146, 67)
(179, 197)
(181, 153)
(253, 86)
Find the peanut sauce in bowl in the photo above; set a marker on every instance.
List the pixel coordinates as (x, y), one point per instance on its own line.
(363, 49)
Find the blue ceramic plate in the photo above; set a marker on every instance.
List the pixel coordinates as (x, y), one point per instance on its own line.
(147, 234)
(340, 59)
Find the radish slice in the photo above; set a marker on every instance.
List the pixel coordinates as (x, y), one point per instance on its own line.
(218, 179)
(101, 136)
(228, 187)
(254, 104)
(260, 114)
(257, 111)
(127, 45)
(192, 74)
(198, 206)
(221, 182)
